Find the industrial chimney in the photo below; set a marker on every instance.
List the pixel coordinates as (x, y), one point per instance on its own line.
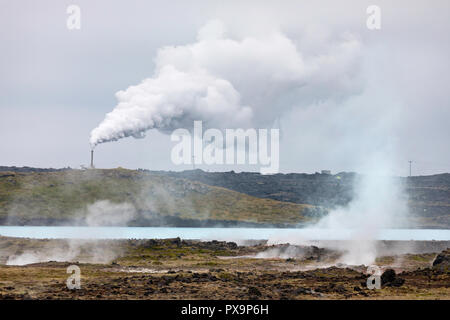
(92, 159)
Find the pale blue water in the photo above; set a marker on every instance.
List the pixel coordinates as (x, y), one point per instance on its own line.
(229, 234)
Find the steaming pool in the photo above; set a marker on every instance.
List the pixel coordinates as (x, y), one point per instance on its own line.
(229, 234)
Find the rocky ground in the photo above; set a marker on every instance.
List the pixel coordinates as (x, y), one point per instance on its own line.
(178, 269)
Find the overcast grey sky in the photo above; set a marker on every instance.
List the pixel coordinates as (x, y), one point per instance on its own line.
(57, 85)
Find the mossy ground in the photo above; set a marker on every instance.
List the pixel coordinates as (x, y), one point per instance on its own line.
(174, 269)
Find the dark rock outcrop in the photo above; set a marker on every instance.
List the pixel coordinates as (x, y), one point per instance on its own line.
(442, 261)
(253, 291)
(390, 279)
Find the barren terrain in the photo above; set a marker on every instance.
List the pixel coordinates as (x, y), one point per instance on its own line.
(179, 269)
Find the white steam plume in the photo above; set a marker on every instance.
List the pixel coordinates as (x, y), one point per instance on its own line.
(379, 203)
(232, 82)
(104, 213)
(99, 213)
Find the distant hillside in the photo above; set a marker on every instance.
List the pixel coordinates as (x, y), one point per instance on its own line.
(30, 169)
(64, 197)
(315, 189)
(429, 199)
(429, 196)
(195, 197)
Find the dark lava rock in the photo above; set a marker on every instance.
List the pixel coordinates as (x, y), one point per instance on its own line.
(253, 291)
(340, 289)
(176, 241)
(302, 291)
(442, 261)
(387, 276)
(331, 288)
(390, 279)
(398, 282)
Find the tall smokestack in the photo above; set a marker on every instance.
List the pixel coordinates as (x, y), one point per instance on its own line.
(92, 159)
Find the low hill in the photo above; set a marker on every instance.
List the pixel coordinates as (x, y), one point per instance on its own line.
(429, 196)
(86, 196)
(198, 198)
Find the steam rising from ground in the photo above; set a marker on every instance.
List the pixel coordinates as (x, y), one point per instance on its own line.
(99, 213)
(232, 81)
(106, 213)
(379, 203)
(84, 251)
